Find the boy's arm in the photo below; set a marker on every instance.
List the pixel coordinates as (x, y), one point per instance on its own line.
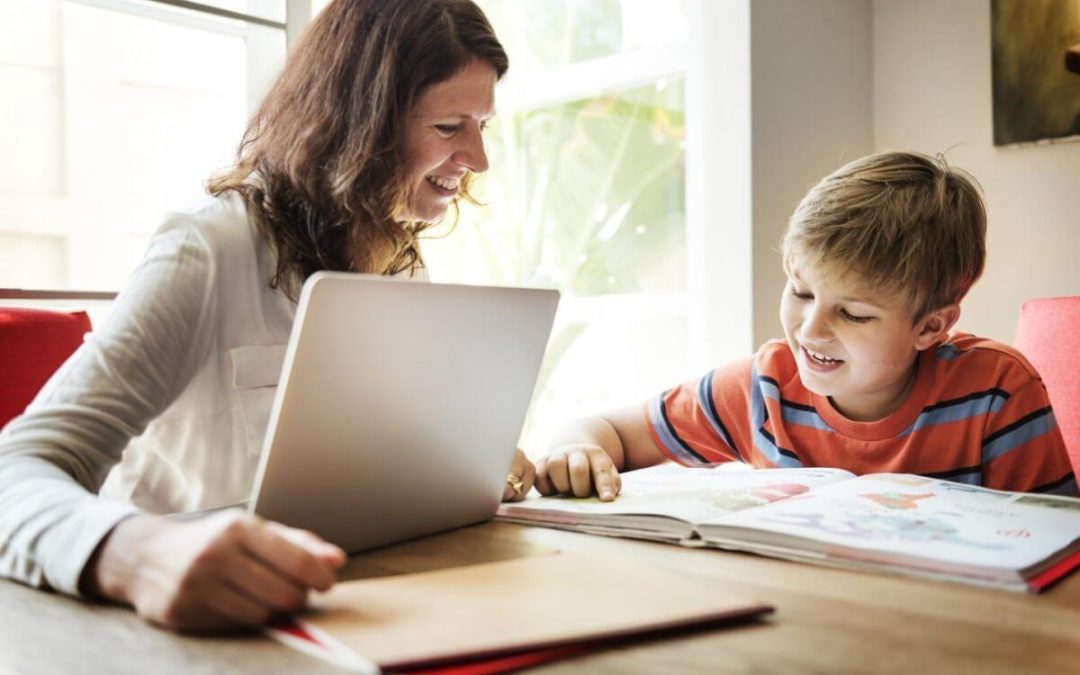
(586, 455)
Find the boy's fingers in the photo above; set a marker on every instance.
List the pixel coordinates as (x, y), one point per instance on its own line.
(580, 473)
(605, 478)
(557, 473)
(543, 483)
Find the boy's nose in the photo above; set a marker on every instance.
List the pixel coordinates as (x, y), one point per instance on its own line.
(815, 327)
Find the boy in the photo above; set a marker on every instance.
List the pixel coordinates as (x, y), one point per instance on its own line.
(878, 256)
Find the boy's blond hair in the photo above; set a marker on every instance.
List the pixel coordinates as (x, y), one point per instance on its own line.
(904, 222)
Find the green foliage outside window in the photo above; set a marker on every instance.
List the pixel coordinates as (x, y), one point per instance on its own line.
(587, 196)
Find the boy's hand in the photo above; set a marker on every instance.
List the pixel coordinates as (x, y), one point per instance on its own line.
(520, 479)
(223, 571)
(578, 470)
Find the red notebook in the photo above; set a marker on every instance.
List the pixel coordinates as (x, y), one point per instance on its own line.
(504, 616)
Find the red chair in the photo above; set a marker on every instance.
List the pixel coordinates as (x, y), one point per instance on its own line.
(1048, 334)
(33, 344)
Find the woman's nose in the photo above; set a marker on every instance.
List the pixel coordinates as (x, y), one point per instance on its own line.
(472, 155)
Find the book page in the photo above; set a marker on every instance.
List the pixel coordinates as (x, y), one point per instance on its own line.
(896, 516)
(677, 492)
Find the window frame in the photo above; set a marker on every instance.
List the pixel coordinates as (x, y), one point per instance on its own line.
(191, 14)
(578, 80)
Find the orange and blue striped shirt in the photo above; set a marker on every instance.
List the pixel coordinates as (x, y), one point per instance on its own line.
(978, 413)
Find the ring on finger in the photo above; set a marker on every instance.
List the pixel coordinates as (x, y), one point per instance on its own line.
(515, 485)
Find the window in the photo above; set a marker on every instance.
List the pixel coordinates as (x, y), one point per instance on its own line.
(116, 110)
(587, 194)
(113, 111)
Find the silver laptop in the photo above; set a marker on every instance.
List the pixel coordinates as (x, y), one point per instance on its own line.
(399, 406)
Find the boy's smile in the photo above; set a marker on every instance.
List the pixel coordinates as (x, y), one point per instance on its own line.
(819, 362)
(852, 343)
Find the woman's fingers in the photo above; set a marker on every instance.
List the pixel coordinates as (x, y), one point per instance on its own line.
(231, 569)
(520, 479)
(235, 607)
(254, 579)
(298, 556)
(528, 477)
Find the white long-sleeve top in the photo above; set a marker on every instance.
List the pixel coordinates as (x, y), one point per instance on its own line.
(168, 400)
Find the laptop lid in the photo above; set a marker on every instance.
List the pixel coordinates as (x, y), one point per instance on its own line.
(399, 406)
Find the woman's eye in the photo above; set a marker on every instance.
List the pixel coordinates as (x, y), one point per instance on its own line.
(447, 129)
(483, 125)
(851, 317)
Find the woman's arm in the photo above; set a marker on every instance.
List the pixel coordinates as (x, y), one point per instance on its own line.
(223, 571)
(55, 456)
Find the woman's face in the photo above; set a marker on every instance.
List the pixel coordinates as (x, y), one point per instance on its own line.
(444, 141)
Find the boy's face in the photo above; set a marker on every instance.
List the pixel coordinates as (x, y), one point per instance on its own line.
(851, 343)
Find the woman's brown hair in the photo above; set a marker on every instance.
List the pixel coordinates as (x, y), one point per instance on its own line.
(321, 166)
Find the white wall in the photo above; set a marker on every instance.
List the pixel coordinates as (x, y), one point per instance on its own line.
(779, 94)
(832, 80)
(811, 112)
(932, 93)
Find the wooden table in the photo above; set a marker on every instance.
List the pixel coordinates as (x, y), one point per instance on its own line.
(826, 621)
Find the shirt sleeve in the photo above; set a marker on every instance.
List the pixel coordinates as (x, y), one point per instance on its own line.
(698, 422)
(54, 458)
(1022, 446)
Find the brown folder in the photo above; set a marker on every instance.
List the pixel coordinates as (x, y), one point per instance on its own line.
(481, 612)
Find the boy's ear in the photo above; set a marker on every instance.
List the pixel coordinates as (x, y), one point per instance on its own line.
(933, 327)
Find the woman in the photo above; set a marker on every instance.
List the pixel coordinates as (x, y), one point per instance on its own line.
(370, 133)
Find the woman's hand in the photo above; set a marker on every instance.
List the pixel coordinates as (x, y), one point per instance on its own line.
(520, 479)
(224, 571)
(580, 470)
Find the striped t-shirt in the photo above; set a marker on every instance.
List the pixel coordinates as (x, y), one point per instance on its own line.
(978, 413)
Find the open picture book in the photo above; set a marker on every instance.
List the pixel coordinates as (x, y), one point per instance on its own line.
(897, 523)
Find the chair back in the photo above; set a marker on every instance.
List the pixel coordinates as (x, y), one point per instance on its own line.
(33, 344)
(1048, 334)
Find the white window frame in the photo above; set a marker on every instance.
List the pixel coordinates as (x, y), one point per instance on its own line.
(44, 216)
(587, 79)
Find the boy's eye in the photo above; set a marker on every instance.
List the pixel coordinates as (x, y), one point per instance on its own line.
(801, 295)
(851, 317)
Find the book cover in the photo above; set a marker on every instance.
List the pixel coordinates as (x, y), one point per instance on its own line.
(543, 606)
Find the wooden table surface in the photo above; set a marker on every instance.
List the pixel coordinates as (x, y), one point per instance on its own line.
(826, 620)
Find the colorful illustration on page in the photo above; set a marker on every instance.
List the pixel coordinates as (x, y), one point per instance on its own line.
(897, 500)
(883, 527)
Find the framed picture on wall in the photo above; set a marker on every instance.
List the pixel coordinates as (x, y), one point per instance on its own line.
(1036, 70)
